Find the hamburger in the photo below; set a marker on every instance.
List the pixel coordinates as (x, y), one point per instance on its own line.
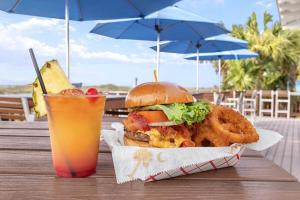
(162, 115)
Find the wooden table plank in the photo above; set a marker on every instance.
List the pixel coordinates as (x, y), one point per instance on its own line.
(24, 125)
(39, 163)
(33, 143)
(26, 132)
(35, 139)
(18, 127)
(39, 130)
(47, 187)
(43, 144)
(44, 124)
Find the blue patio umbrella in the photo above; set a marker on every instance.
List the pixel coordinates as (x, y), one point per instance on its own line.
(224, 55)
(170, 23)
(83, 10)
(217, 43)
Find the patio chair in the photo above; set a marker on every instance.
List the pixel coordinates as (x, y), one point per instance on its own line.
(282, 103)
(232, 100)
(266, 103)
(218, 98)
(16, 108)
(206, 96)
(215, 98)
(249, 103)
(116, 93)
(115, 106)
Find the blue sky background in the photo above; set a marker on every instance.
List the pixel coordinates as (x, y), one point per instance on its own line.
(100, 60)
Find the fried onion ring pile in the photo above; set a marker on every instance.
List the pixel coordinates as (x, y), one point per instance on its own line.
(223, 127)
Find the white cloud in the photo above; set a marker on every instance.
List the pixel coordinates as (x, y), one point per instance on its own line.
(267, 4)
(34, 23)
(38, 24)
(14, 38)
(83, 52)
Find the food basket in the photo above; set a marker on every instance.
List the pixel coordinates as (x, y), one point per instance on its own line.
(152, 164)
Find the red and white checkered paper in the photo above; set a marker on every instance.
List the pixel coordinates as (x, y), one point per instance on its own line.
(199, 167)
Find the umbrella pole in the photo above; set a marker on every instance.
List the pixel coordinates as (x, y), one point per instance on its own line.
(157, 54)
(67, 38)
(197, 86)
(219, 73)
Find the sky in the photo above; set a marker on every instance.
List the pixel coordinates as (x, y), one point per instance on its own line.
(97, 59)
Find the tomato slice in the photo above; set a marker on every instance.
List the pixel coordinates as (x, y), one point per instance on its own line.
(154, 116)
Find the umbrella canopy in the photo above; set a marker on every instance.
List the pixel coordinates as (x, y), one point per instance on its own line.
(83, 10)
(171, 23)
(217, 43)
(224, 55)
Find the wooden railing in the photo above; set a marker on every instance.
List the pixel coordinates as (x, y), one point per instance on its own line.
(13, 107)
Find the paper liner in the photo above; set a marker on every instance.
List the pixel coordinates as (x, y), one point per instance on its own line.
(150, 164)
(200, 167)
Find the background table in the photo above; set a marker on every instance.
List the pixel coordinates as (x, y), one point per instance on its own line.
(26, 173)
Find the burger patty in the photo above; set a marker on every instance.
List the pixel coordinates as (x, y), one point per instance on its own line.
(137, 136)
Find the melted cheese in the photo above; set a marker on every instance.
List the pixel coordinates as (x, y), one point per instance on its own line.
(157, 141)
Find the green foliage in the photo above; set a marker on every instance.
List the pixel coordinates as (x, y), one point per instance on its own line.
(279, 55)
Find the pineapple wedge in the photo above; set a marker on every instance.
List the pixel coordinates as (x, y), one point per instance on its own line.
(55, 81)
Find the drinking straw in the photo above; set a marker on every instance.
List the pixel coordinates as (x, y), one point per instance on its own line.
(39, 76)
(37, 70)
(155, 75)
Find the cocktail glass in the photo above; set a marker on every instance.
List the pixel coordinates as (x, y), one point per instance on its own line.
(75, 124)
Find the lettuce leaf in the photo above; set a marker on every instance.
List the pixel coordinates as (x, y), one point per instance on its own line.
(183, 113)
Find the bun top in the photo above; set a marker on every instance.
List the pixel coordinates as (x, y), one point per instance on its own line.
(153, 93)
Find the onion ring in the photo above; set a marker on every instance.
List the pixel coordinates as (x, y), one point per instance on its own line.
(223, 127)
(232, 126)
(207, 137)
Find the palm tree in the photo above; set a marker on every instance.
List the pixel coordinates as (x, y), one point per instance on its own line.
(279, 55)
(239, 76)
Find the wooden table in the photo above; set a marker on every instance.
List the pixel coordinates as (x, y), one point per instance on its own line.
(26, 173)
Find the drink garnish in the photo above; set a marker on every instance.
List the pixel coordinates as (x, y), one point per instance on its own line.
(55, 81)
(72, 92)
(92, 91)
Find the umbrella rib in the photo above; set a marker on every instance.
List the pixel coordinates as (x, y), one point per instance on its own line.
(14, 6)
(132, 4)
(125, 30)
(150, 27)
(192, 28)
(215, 46)
(79, 10)
(170, 25)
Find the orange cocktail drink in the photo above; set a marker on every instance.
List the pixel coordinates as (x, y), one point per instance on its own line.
(75, 124)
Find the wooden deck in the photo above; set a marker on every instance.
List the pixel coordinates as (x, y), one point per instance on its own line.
(286, 153)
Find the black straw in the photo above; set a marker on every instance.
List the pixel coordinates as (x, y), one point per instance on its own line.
(37, 70)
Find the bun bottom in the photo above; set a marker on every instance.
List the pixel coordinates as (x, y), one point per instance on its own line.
(131, 142)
